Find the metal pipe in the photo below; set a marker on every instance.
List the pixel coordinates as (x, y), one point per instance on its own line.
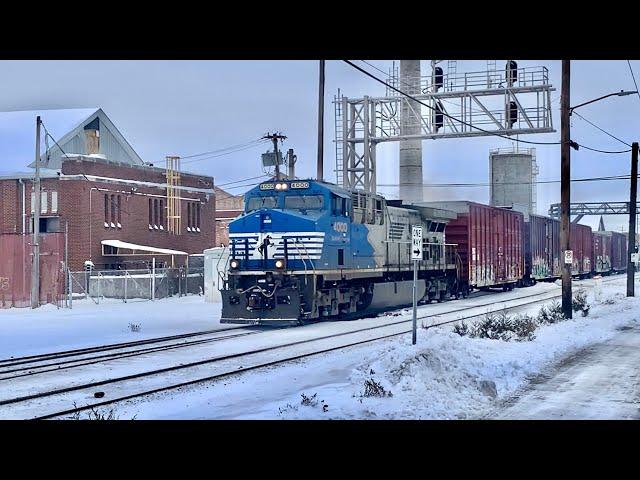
(24, 206)
(565, 188)
(631, 267)
(35, 261)
(320, 173)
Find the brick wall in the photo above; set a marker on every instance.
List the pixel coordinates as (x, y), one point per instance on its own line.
(81, 204)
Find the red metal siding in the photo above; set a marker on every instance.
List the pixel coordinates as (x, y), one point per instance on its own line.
(601, 252)
(15, 269)
(619, 244)
(581, 244)
(489, 244)
(542, 247)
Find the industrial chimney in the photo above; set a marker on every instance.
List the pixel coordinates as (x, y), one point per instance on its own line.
(92, 137)
(410, 150)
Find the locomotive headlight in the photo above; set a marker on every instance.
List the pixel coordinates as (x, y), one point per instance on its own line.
(234, 264)
(281, 186)
(278, 186)
(280, 264)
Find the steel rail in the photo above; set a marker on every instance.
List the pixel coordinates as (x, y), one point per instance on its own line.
(545, 296)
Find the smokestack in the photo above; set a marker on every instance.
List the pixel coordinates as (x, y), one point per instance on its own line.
(92, 137)
(410, 150)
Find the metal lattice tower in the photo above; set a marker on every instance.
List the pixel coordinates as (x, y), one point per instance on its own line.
(173, 197)
(482, 99)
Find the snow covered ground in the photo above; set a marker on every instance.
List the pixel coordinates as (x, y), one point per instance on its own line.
(48, 329)
(444, 376)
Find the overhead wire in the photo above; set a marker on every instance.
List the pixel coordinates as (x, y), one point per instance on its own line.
(574, 144)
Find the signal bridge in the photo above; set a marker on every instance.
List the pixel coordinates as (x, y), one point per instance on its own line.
(515, 101)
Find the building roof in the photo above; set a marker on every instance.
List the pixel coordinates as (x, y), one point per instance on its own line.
(113, 145)
(141, 248)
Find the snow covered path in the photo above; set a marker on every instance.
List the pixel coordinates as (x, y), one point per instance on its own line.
(600, 382)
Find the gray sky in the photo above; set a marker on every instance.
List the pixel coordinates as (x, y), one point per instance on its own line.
(188, 107)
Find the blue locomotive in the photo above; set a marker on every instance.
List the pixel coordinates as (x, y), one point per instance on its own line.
(307, 249)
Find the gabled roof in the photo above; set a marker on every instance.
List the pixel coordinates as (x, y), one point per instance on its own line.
(107, 128)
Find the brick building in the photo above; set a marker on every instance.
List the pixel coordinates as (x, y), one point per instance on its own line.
(228, 207)
(113, 202)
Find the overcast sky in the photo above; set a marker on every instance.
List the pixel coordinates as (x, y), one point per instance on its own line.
(188, 107)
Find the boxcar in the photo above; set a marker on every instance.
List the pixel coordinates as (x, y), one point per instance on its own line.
(602, 252)
(581, 244)
(489, 243)
(541, 249)
(619, 244)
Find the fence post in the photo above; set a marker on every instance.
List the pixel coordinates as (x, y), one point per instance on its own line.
(99, 285)
(180, 282)
(153, 279)
(70, 289)
(125, 286)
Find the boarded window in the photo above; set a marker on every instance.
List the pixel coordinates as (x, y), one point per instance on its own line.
(43, 202)
(119, 210)
(54, 202)
(150, 213)
(106, 210)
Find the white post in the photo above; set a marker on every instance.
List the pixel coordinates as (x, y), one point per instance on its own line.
(153, 279)
(415, 302)
(125, 286)
(416, 256)
(70, 289)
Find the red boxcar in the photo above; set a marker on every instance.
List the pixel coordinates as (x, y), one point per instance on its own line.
(619, 244)
(602, 252)
(541, 249)
(582, 246)
(489, 243)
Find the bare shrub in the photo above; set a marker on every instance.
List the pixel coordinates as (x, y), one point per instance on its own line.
(375, 389)
(579, 303)
(135, 327)
(309, 401)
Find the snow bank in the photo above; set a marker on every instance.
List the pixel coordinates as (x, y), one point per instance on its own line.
(48, 329)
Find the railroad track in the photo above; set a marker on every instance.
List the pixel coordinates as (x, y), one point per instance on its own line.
(127, 387)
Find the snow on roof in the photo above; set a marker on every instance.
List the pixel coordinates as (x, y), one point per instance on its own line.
(144, 248)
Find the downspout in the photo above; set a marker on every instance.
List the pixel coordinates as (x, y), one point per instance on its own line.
(23, 205)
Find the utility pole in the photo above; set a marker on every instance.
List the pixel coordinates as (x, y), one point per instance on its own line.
(320, 175)
(631, 267)
(274, 138)
(565, 188)
(35, 261)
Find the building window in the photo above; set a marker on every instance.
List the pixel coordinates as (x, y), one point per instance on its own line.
(155, 214)
(54, 202)
(193, 217)
(150, 215)
(162, 214)
(113, 211)
(119, 211)
(106, 210)
(43, 202)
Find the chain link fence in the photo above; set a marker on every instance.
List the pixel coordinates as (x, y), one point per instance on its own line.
(135, 285)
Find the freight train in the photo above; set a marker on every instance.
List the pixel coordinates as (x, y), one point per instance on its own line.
(305, 250)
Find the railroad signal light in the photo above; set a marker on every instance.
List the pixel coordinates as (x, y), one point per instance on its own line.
(513, 113)
(438, 117)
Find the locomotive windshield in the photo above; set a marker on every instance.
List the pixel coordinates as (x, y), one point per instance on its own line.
(256, 203)
(304, 202)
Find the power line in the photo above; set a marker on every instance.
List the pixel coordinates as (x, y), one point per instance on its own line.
(443, 113)
(465, 185)
(601, 129)
(223, 149)
(603, 151)
(247, 147)
(473, 110)
(634, 78)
